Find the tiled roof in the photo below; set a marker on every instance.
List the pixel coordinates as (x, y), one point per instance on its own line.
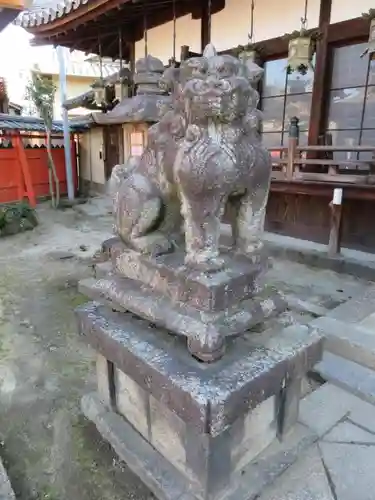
(46, 11)
(30, 124)
(7, 16)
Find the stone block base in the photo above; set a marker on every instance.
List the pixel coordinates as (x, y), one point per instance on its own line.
(203, 424)
(168, 483)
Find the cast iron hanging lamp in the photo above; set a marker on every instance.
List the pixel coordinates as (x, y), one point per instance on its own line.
(301, 50)
(121, 86)
(249, 52)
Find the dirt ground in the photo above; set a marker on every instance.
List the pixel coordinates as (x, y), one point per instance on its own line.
(50, 451)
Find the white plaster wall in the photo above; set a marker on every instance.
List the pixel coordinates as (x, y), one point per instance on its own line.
(74, 87)
(160, 39)
(349, 9)
(91, 164)
(230, 27)
(272, 18)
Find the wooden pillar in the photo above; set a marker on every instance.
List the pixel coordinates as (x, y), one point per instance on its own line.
(319, 98)
(205, 24)
(131, 46)
(292, 147)
(334, 244)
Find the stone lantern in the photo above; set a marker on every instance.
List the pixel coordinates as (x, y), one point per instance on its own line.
(137, 113)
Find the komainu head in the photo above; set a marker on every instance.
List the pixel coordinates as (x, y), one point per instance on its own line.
(215, 87)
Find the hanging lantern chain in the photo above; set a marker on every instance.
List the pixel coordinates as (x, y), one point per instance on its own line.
(120, 46)
(251, 34)
(209, 20)
(145, 30)
(174, 30)
(100, 59)
(304, 18)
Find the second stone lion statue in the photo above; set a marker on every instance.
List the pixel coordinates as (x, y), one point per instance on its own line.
(203, 156)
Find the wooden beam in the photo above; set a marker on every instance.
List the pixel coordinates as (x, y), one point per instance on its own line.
(319, 95)
(351, 30)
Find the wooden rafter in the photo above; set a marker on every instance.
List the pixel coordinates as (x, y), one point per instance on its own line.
(79, 30)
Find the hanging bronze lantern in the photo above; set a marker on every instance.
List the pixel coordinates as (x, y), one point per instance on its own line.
(250, 55)
(300, 54)
(121, 90)
(99, 92)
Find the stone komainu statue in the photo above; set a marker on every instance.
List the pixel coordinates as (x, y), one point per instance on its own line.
(203, 157)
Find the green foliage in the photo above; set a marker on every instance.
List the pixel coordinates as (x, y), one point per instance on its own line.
(16, 218)
(40, 90)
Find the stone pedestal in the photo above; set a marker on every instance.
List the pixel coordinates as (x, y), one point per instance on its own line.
(205, 307)
(216, 420)
(191, 429)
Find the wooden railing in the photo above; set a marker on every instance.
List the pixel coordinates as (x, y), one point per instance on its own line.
(293, 162)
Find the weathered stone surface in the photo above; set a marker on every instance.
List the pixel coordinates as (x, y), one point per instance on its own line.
(356, 309)
(6, 492)
(363, 414)
(167, 274)
(259, 431)
(324, 408)
(202, 157)
(102, 378)
(352, 377)
(347, 432)
(348, 340)
(290, 404)
(167, 483)
(168, 433)
(351, 468)
(102, 269)
(305, 480)
(199, 431)
(207, 397)
(207, 329)
(132, 402)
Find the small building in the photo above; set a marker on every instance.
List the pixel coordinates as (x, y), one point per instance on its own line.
(331, 95)
(81, 73)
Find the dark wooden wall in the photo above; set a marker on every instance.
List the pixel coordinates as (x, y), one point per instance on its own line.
(308, 217)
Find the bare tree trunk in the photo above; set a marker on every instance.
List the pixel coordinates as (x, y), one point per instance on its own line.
(50, 183)
(52, 171)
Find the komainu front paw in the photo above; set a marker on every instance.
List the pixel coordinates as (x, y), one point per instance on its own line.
(153, 244)
(204, 261)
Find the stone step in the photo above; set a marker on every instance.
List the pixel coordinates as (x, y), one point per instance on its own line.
(350, 376)
(102, 269)
(348, 340)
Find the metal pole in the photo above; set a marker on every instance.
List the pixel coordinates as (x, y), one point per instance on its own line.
(64, 112)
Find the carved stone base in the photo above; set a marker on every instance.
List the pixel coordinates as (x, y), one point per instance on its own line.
(206, 332)
(191, 430)
(204, 307)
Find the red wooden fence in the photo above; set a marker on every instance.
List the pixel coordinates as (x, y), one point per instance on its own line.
(37, 165)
